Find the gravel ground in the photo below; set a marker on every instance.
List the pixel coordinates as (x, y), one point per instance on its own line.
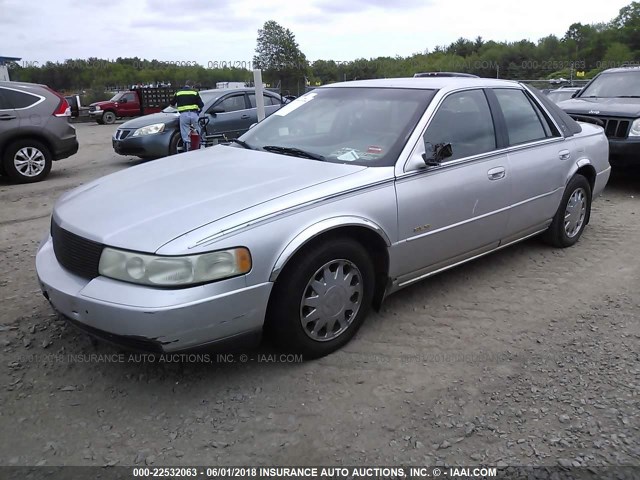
(526, 357)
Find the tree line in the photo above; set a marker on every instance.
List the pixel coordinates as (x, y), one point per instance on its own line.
(583, 48)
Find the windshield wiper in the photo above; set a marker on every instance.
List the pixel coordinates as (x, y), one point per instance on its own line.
(241, 142)
(627, 96)
(296, 152)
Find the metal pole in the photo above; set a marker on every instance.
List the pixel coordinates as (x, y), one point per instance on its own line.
(257, 81)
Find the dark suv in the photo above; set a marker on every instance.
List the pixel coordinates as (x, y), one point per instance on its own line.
(34, 130)
(612, 99)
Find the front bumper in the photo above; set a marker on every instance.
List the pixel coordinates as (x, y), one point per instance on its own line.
(154, 319)
(156, 145)
(624, 152)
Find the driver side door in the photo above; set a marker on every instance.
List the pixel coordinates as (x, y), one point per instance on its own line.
(459, 208)
(233, 121)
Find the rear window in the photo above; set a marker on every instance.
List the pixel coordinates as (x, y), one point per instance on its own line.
(18, 99)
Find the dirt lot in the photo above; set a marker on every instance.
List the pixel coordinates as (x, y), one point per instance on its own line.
(527, 357)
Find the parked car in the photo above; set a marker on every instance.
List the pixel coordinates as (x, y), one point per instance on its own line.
(229, 113)
(612, 100)
(561, 94)
(34, 130)
(444, 74)
(134, 103)
(340, 198)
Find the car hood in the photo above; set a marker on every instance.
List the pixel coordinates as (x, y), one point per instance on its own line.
(614, 107)
(146, 206)
(102, 103)
(151, 119)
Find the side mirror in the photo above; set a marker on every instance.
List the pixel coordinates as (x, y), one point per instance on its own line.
(123, 100)
(216, 110)
(434, 154)
(576, 93)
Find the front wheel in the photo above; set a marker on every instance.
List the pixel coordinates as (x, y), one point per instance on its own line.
(109, 117)
(572, 215)
(176, 145)
(322, 298)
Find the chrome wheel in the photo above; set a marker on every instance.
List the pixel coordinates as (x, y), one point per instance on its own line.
(575, 212)
(29, 161)
(331, 300)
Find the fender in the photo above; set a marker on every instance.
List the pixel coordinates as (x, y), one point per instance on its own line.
(318, 228)
(583, 162)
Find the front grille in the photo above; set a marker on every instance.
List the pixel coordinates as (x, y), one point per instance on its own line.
(92, 108)
(76, 254)
(122, 134)
(613, 127)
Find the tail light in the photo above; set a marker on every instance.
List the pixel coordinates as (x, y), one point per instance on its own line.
(63, 109)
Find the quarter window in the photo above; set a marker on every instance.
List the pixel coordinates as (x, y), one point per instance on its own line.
(463, 120)
(19, 99)
(525, 123)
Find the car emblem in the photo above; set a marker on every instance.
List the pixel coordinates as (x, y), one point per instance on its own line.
(595, 112)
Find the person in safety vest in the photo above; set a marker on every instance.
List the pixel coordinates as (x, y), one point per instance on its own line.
(188, 103)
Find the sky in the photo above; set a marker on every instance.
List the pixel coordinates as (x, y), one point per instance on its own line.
(208, 31)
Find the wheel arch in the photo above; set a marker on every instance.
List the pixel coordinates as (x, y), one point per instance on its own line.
(25, 136)
(586, 169)
(369, 234)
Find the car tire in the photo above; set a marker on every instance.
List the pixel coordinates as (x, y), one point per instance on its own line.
(307, 316)
(572, 215)
(109, 118)
(100, 121)
(175, 144)
(27, 161)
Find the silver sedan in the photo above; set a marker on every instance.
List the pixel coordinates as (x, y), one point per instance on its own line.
(315, 215)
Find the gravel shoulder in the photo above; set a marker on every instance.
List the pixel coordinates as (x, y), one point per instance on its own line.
(529, 356)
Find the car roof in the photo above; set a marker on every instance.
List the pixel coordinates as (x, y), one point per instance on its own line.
(222, 91)
(622, 69)
(427, 83)
(14, 84)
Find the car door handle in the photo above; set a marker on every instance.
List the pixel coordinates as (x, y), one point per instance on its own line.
(564, 155)
(496, 173)
(244, 117)
(6, 116)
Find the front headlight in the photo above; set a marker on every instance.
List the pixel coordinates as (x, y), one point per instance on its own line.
(149, 130)
(635, 128)
(97, 109)
(160, 271)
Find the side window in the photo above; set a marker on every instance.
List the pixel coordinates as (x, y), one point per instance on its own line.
(19, 99)
(131, 97)
(463, 120)
(525, 122)
(268, 100)
(4, 102)
(233, 103)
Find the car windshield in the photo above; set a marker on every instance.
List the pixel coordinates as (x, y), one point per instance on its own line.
(205, 96)
(116, 97)
(363, 126)
(560, 95)
(619, 84)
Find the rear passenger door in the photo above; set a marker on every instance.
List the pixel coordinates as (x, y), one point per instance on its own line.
(538, 161)
(271, 104)
(8, 118)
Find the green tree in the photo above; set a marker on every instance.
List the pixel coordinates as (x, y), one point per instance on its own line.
(279, 56)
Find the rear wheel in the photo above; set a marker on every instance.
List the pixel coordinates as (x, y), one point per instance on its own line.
(322, 298)
(109, 117)
(573, 212)
(27, 161)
